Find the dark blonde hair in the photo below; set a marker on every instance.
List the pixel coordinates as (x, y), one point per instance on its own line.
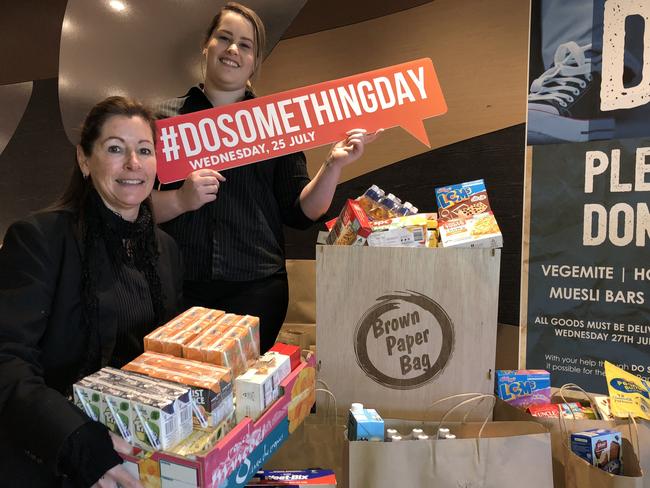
(253, 18)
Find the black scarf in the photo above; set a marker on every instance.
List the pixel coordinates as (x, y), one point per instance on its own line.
(126, 242)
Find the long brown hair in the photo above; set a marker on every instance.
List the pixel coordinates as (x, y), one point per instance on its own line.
(74, 196)
(253, 18)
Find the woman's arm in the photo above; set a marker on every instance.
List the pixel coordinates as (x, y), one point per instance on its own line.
(199, 188)
(37, 418)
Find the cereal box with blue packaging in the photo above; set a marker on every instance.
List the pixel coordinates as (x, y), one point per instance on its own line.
(599, 447)
(525, 387)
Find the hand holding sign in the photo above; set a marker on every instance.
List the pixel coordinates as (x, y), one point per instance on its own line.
(295, 120)
(199, 188)
(351, 148)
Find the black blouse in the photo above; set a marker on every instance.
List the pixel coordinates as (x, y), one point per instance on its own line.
(239, 236)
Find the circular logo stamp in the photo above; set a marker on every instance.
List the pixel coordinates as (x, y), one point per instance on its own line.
(404, 341)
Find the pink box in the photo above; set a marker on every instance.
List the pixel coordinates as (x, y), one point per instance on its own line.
(212, 469)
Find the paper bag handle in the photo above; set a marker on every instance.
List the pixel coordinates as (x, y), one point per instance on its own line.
(326, 389)
(574, 387)
(634, 436)
(480, 397)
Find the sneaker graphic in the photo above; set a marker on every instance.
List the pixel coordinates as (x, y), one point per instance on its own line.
(564, 101)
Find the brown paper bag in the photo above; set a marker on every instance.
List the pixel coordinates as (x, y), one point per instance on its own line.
(504, 411)
(485, 455)
(317, 443)
(579, 473)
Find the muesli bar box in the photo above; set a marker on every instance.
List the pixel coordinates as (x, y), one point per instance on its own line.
(235, 459)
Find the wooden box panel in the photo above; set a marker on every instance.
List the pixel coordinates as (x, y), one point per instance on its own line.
(399, 328)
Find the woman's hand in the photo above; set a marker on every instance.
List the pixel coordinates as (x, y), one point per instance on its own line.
(351, 148)
(118, 475)
(199, 188)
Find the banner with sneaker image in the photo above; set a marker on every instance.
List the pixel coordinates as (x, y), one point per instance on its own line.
(585, 268)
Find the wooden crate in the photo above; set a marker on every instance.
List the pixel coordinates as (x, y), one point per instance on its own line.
(399, 328)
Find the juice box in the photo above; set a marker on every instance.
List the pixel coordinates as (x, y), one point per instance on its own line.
(365, 424)
(212, 395)
(145, 388)
(259, 386)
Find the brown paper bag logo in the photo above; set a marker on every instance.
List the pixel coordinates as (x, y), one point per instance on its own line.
(404, 341)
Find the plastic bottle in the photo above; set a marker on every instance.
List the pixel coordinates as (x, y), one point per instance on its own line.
(450, 436)
(370, 198)
(416, 432)
(386, 208)
(443, 432)
(396, 438)
(390, 433)
(405, 209)
(423, 437)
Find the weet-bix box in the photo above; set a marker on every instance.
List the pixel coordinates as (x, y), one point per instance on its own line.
(314, 478)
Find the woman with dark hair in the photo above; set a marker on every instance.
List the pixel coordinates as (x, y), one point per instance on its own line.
(81, 283)
(233, 245)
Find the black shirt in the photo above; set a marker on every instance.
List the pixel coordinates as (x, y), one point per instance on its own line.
(239, 236)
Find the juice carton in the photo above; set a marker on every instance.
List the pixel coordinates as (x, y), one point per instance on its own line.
(599, 447)
(364, 424)
(523, 388)
(212, 396)
(259, 387)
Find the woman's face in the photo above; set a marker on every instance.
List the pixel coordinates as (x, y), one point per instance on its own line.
(230, 53)
(122, 165)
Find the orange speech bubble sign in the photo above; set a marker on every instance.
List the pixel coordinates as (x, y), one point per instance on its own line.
(295, 120)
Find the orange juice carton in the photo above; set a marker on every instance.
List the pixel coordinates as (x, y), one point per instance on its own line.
(171, 338)
(152, 341)
(364, 424)
(525, 387)
(227, 352)
(212, 396)
(259, 386)
(352, 227)
(599, 447)
(252, 324)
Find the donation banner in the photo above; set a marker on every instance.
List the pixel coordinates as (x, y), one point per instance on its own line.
(586, 270)
(295, 120)
(589, 272)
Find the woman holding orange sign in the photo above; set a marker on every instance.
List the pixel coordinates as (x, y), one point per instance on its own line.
(229, 224)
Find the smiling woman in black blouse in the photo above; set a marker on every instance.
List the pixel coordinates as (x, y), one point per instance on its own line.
(229, 225)
(81, 284)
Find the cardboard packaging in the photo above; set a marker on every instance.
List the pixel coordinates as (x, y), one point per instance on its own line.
(599, 447)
